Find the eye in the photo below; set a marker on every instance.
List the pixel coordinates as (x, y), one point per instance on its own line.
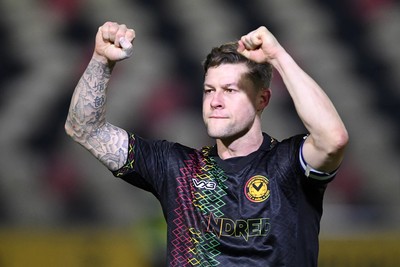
(229, 90)
(207, 91)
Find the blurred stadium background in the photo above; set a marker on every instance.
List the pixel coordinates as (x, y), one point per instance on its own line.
(60, 207)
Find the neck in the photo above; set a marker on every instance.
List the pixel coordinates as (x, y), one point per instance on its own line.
(239, 147)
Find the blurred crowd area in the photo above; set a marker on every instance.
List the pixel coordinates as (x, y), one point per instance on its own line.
(48, 181)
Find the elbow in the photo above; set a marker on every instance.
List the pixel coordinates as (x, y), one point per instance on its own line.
(71, 130)
(342, 138)
(333, 142)
(329, 149)
(339, 141)
(68, 129)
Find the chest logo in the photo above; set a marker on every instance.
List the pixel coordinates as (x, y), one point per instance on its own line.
(256, 189)
(204, 184)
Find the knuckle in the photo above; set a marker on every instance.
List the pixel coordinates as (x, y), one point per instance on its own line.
(113, 28)
(130, 33)
(108, 23)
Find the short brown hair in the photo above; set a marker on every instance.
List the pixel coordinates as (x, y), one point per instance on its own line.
(259, 73)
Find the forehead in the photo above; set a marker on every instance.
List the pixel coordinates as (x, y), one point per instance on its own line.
(225, 74)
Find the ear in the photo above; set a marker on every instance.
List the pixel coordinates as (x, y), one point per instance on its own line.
(263, 99)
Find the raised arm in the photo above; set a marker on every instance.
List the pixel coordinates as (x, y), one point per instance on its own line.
(86, 121)
(324, 148)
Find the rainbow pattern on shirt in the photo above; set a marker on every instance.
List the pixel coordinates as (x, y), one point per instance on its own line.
(192, 244)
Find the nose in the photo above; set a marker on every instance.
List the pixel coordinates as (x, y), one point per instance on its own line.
(217, 100)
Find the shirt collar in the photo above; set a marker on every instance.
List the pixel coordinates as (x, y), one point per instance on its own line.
(267, 144)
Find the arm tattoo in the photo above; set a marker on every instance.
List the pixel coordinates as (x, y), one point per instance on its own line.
(86, 118)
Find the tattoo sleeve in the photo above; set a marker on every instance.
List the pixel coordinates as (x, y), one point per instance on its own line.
(86, 122)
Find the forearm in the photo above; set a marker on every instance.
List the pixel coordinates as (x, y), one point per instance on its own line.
(87, 108)
(86, 121)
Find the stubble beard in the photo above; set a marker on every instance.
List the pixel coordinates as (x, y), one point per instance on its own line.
(224, 132)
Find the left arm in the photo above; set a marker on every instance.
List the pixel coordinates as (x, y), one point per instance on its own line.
(323, 150)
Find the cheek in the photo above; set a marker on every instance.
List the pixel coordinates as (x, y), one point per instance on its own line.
(205, 109)
(205, 100)
(245, 114)
(246, 105)
(204, 106)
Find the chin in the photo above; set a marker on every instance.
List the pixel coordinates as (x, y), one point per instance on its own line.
(223, 134)
(216, 134)
(220, 134)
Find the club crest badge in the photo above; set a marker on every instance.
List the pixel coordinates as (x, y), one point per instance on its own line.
(256, 189)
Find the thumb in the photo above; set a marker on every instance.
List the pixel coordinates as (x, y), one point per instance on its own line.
(126, 46)
(242, 49)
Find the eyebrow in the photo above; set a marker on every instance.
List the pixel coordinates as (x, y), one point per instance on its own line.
(223, 86)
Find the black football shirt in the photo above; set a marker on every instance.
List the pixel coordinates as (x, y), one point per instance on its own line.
(257, 210)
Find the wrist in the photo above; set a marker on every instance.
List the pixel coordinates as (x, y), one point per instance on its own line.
(103, 60)
(281, 59)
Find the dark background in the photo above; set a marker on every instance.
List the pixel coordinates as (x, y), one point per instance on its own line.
(48, 182)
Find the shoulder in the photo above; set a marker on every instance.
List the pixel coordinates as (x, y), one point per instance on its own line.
(290, 151)
(284, 156)
(290, 144)
(165, 148)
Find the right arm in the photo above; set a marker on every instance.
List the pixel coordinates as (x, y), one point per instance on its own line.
(86, 121)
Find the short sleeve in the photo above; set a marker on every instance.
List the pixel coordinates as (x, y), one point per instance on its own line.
(146, 163)
(311, 172)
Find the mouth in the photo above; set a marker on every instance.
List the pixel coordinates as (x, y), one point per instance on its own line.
(217, 117)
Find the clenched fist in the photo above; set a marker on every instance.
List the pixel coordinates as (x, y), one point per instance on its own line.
(113, 42)
(259, 45)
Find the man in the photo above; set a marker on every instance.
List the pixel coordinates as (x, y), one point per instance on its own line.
(247, 201)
